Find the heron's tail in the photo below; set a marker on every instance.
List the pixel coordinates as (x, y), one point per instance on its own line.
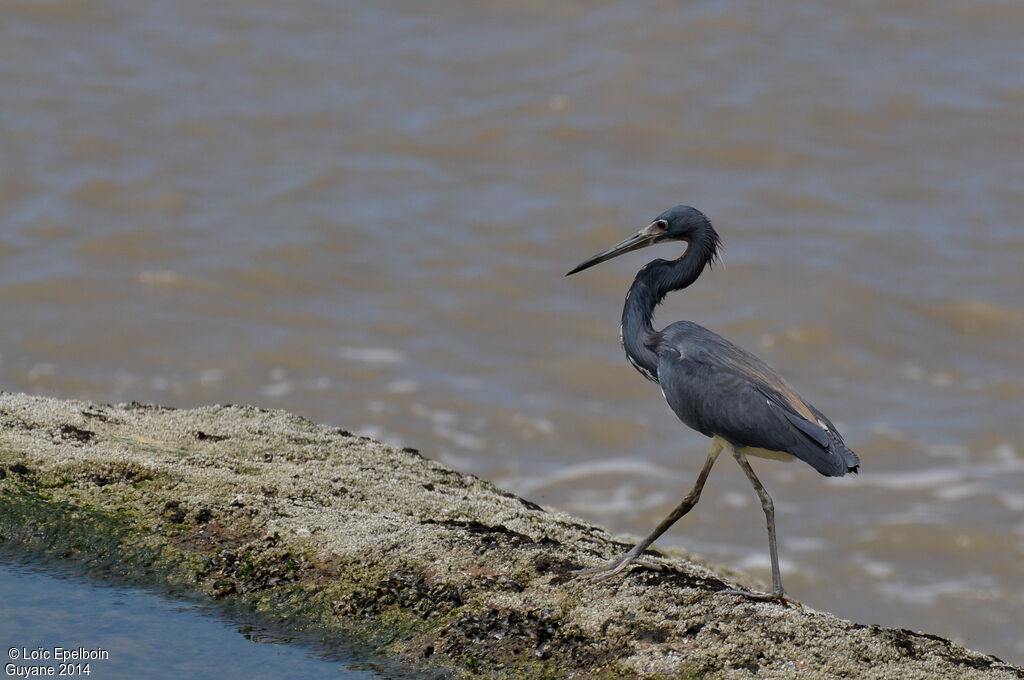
(824, 448)
(851, 459)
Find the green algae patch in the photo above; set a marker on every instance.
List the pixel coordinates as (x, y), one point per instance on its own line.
(348, 542)
(105, 543)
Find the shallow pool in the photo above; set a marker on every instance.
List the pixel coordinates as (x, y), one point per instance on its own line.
(54, 619)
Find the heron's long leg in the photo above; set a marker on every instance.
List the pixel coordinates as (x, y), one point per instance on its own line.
(769, 513)
(633, 556)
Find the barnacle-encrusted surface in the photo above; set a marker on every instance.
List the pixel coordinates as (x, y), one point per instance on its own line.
(327, 532)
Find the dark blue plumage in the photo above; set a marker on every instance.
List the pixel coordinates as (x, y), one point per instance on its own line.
(718, 388)
(712, 385)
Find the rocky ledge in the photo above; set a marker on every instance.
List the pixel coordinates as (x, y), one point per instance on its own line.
(338, 536)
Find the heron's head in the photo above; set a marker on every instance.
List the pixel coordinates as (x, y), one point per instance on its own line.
(681, 223)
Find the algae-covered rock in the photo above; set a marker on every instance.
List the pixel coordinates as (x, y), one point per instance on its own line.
(326, 532)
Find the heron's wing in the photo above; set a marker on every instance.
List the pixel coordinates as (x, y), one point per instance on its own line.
(801, 414)
(718, 388)
(813, 430)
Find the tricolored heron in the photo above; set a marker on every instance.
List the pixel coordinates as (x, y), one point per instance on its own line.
(714, 386)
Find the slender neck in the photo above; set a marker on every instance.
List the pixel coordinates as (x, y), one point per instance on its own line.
(652, 283)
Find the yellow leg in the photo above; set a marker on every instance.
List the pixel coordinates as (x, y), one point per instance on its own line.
(633, 556)
(769, 512)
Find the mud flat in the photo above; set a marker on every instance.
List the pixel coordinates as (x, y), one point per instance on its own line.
(349, 540)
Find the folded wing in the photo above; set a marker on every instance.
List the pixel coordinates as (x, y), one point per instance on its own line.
(720, 389)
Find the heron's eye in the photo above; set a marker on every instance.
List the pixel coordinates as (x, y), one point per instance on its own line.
(661, 225)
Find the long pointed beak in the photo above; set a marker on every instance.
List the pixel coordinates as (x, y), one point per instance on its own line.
(641, 239)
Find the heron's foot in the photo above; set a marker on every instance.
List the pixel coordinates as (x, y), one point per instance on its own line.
(777, 596)
(607, 571)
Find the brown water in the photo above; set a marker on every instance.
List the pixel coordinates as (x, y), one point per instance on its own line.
(363, 212)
